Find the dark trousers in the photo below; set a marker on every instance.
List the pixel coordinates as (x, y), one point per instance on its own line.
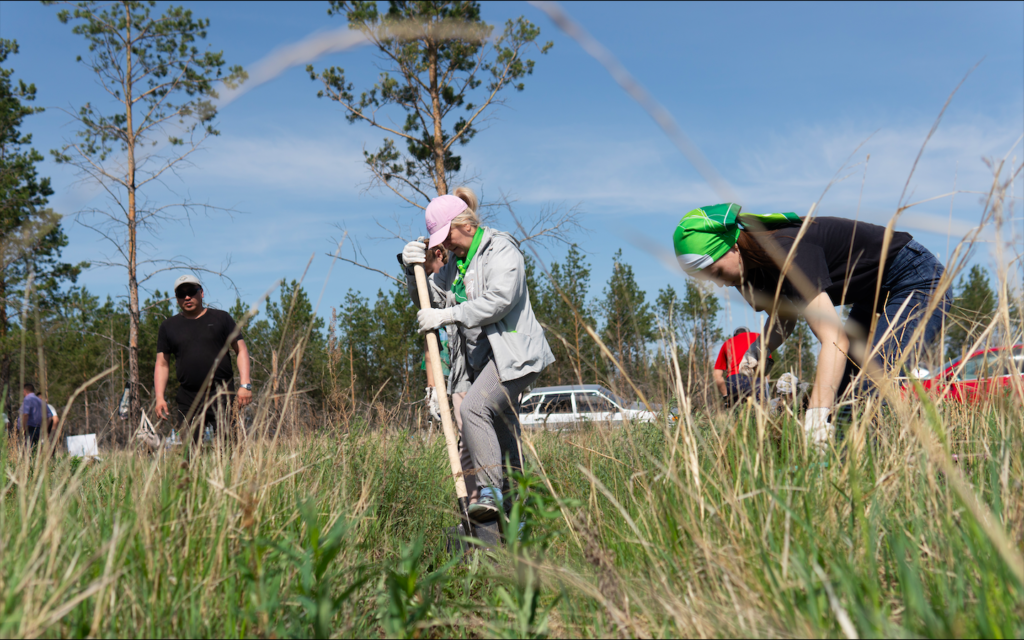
(912, 281)
(738, 386)
(219, 413)
(33, 434)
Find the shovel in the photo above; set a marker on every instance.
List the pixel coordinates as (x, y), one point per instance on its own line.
(487, 534)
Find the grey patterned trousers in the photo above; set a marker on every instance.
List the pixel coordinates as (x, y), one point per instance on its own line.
(490, 424)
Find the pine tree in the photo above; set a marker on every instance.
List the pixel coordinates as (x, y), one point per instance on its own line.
(973, 309)
(699, 314)
(163, 89)
(693, 323)
(31, 237)
(797, 353)
(629, 321)
(274, 335)
(441, 74)
(561, 306)
(84, 337)
(397, 348)
(355, 342)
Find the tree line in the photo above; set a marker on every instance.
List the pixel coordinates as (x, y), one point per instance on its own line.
(365, 359)
(366, 354)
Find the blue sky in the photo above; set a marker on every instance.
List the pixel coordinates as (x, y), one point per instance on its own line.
(777, 96)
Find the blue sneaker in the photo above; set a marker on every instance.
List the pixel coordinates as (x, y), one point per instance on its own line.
(488, 506)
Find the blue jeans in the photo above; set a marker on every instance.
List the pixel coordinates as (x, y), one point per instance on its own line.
(739, 386)
(912, 279)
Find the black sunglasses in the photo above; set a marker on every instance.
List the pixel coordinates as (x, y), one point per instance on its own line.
(188, 291)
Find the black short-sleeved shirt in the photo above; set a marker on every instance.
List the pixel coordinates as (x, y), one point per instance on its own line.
(839, 256)
(195, 343)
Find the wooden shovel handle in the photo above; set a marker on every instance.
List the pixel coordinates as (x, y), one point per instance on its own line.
(434, 362)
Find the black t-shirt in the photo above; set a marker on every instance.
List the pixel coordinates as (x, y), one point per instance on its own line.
(195, 345)
(837, 255)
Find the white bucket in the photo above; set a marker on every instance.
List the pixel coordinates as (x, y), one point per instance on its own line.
(83, 446)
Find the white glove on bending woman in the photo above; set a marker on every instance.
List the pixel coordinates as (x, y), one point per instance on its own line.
(415, 252)
(818, 429)
(430, 319)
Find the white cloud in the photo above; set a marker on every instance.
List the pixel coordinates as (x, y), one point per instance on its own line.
(806, 160)
(627, 177)
(320, 167)
(782, 171)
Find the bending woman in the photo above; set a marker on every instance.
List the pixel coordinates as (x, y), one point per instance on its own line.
(503, 346)
(789, 269)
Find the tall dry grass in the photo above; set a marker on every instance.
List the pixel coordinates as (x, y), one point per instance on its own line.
(722, 525)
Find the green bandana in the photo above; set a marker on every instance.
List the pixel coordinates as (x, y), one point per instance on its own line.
(704, 235)
(459, 284)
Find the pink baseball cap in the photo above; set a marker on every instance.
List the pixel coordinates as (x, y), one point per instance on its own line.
(440, 213)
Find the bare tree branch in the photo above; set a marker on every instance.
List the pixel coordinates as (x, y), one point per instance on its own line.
(552, 223)
(368, 268)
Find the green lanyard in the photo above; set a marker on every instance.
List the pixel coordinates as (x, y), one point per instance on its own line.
(459, 284)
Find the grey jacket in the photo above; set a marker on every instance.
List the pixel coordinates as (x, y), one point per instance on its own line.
(498, 300)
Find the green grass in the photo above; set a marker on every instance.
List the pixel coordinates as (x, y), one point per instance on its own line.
(724, 527)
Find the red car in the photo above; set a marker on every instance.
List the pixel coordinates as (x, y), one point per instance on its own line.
(984, 375)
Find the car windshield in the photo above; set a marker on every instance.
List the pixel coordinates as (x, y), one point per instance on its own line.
(530, 404)
(592, 402)
(557, 403)
(978, 361)
(952, 363)
(619, 400)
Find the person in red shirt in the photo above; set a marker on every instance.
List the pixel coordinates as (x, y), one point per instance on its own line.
(732, 384)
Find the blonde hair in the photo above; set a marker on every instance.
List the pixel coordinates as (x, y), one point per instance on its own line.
(469, 216)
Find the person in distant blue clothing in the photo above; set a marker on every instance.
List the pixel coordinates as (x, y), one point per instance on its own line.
(32, 412)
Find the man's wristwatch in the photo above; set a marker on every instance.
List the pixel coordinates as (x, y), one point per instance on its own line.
(247, 387)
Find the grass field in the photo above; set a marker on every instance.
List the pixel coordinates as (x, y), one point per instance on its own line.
(714, 526)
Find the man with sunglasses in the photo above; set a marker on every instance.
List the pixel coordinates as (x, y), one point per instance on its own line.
(195, 337)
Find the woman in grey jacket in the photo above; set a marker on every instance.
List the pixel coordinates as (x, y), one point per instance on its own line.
(483, 293)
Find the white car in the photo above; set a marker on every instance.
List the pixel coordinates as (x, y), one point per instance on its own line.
(565, 406)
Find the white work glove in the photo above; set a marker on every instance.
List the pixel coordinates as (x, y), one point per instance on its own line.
(415, 252)
(432, 406)
(751, 360)
(748, 365)
(786, 389)
(786, 385)
(818, 429)
(430, 319)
